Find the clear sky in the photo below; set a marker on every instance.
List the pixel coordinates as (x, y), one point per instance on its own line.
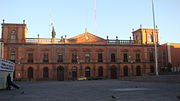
(113, 17)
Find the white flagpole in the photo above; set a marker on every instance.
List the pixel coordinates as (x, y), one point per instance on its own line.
(155, 39)
(95, 22)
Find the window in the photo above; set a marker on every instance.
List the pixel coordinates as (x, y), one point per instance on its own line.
(100, 59)
(13, 35)
(125, 57)
(60, 58)
(12, 55)
(138, 57)
(30, 57)
(113, 57)
(87, 58)
(151, 56)
(45, 57)
(150, 38)
(74, 57)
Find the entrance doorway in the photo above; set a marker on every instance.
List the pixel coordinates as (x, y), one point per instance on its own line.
(74, 73)
(60, 73)
(125, 71)
(113, 72)
(138, 71)
(30, 73)
(151, 69)
(87, 72)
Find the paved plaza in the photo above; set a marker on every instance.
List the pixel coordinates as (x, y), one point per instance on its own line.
(93, 90)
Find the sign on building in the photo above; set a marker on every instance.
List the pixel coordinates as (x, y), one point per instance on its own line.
(6, 65)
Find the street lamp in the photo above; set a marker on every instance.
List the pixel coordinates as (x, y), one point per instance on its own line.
(22, 69)
(131, 61)
(79, 62)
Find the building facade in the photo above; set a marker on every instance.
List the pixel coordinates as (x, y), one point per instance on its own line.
(169, 56)
(82, 55)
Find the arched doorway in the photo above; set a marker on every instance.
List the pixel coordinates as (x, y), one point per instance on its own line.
(138, 71)
(151, 69)
(125, 71)
(45, 72)
(87, 72)
(113, 72)
(100, 71)
(74, 73)
(60, 73)
(30, 73)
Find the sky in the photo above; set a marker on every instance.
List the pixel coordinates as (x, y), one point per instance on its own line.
(113, 17)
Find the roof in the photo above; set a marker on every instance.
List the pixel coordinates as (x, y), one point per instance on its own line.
(85, 37)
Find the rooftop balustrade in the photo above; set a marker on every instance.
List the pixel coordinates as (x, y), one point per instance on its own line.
(63, 41)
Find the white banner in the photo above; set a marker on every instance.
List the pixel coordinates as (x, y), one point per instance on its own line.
(6, 65)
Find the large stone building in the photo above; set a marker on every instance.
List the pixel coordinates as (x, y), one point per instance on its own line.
(169, 56)
(82, 55)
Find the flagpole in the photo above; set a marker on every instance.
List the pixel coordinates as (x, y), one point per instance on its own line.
(95, 22)
(155, 41)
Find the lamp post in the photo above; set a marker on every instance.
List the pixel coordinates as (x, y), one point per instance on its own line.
(22, 69)
(79, 62)
(131, 68)
(155, 43)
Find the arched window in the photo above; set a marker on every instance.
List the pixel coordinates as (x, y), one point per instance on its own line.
(74, 57)
(150, 37)
(13, 35)
(113, 57)
(100, 71)
(45, 72)
(60, 58)
(30, 56)
(138, 59)
(100, 57)
(125, 57)
(87, 57)
(12, 54)
(45, 56)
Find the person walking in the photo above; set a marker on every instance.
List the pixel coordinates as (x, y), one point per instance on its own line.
(10, 83)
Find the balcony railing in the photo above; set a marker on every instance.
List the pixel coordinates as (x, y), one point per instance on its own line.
(62, 41)
(42, 40)
(123, 42)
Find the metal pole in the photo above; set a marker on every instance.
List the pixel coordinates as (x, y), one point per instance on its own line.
(95, 22)
(155, 43)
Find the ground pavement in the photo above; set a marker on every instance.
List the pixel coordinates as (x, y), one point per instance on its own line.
(93, 90)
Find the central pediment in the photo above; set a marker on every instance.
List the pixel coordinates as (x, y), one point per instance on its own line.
(86, 38)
